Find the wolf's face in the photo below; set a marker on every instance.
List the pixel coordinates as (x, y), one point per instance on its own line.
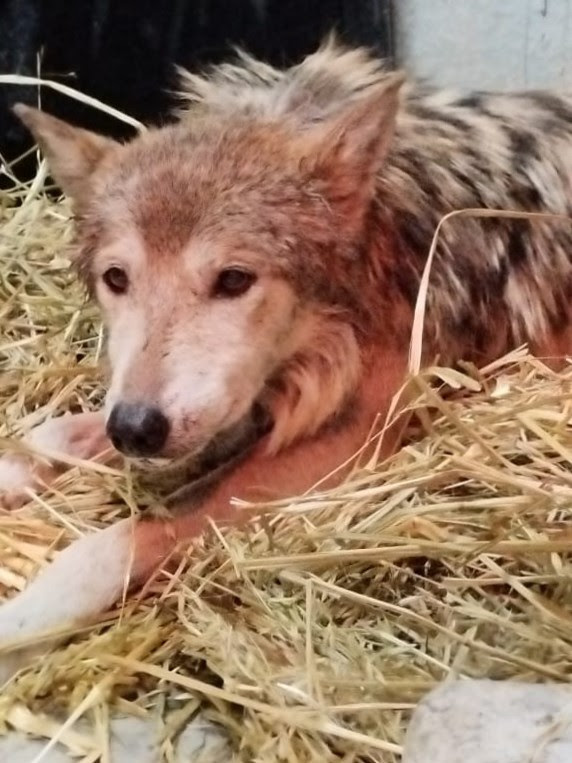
(220, 252)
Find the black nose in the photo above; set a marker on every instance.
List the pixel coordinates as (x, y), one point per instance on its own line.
(137, 429)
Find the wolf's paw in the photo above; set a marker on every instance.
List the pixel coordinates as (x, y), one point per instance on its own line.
(17, 477)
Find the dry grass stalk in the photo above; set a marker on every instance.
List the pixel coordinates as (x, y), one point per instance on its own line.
(310, 635)
(70, 92)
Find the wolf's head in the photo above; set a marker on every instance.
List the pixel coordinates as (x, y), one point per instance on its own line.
(225, 252)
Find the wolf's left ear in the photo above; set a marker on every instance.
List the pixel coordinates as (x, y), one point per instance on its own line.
(71, 152)
(346, 152)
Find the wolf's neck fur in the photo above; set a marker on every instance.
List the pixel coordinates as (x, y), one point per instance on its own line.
(334, 383)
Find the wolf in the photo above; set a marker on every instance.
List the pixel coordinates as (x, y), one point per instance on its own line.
(257, 264)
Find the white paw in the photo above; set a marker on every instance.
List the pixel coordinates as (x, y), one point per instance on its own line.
(16, 477)
(81, 436)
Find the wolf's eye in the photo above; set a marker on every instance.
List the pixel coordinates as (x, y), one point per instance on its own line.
(233, 282)
(116, 280)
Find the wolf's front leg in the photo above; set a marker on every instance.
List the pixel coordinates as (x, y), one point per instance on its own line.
(79, 436)
(85, 579)
(89, 576)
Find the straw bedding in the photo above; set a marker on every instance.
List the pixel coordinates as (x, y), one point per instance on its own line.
(311, 635)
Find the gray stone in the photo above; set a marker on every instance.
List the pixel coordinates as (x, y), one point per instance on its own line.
(133, 740)
(492, 722)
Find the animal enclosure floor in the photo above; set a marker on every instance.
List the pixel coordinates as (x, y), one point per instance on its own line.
(310, 635)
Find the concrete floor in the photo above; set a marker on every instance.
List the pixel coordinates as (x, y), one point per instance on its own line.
(459, 722)
(133, 740)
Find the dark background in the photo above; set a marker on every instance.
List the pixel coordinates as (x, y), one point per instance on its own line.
(123, 51)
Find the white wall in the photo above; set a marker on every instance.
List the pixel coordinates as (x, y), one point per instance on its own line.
(487, 44)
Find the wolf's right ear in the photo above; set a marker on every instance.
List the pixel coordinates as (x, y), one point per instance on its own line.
(71, 152)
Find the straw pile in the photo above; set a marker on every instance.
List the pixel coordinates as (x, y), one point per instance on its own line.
(311, 635)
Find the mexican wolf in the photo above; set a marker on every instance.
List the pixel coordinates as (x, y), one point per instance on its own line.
(257, 264)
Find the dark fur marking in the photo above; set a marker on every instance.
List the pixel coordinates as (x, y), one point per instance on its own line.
(413, 164)
(415, 236)
(469, 182)
(559, 317)
(482, 339)
(477, 159)
(554, 105)
(527, 197)
(516, 246)
(524, 147)
(467, 323)
(433, 115)
(551, 126)
(474, 280)
(503, 275)
(407, 282)
(473, 101)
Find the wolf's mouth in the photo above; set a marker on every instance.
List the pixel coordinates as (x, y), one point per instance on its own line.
(236, 440)
(188, 479)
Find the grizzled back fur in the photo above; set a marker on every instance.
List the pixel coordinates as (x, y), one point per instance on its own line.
(495, 283)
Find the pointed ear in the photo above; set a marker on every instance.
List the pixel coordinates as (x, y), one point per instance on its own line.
(71, 152)
(346, 152)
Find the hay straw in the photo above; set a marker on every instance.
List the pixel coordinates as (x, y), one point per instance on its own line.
(311, 634)
(76, 95)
